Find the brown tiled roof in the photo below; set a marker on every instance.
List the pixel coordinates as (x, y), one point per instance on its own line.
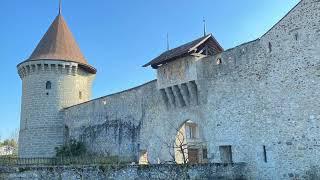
(59, 44)
(185, 50)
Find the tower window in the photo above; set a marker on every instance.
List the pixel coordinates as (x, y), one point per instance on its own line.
(80, 95)
(48, 85)
(192, 128)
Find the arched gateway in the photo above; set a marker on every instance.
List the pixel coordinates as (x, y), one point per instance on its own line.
(190, 146)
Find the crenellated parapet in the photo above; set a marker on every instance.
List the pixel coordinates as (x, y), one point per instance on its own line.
(47, 66)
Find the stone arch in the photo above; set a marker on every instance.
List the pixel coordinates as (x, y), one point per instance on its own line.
(158, 138)
(189, 144)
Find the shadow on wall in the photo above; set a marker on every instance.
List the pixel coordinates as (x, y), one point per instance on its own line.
(312, 174)
(114, 137)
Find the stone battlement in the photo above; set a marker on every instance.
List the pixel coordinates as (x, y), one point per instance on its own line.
(47, 66)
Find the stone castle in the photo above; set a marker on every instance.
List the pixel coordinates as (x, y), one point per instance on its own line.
(256, 103)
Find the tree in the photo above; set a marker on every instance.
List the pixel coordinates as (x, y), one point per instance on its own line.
(15, 134)
(10, 142)
(179, 144)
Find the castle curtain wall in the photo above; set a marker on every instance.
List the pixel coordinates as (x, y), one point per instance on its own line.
(260, 98)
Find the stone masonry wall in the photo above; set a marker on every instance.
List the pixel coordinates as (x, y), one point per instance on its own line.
(110, 125)
(261, 100)
(208, 171)
(40, 114)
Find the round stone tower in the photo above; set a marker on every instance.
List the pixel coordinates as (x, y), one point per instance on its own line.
(54, 77)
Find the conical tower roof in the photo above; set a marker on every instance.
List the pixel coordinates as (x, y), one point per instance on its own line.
(58, 43)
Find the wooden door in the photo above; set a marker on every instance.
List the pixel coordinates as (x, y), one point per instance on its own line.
(193, 156)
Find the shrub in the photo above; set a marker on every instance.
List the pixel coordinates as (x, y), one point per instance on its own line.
(71, 149)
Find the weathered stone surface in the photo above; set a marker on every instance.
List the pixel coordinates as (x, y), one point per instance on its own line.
(263, 93)
(41, 125)
(259, 94)
(207, 171)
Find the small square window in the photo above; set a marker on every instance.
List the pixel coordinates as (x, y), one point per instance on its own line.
(265, 154)
(48, 85)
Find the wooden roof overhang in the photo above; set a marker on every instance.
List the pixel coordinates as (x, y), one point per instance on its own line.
(204, 46)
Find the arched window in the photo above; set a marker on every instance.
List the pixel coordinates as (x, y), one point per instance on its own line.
(48, 85)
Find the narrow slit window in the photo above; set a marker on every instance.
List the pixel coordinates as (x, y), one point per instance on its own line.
(48, 85)
(80, 95)
(296, 36)
(265, 154)
(270, 47)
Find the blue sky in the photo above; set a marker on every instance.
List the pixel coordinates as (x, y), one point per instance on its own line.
(119, 36)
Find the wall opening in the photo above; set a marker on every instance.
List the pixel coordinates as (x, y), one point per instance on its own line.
(193, 156)
(225, 154)
(270, 47)
(192, 128)
(265, 154)
(143, 157)
(189, 145)
(48, 85)
(219, 61)
(80, 95)
(296, 36)
(46, 67)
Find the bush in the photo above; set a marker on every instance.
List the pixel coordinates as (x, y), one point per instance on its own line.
(9, 142)
(71, 149)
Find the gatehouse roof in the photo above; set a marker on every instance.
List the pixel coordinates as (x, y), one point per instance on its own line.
(205, 43)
